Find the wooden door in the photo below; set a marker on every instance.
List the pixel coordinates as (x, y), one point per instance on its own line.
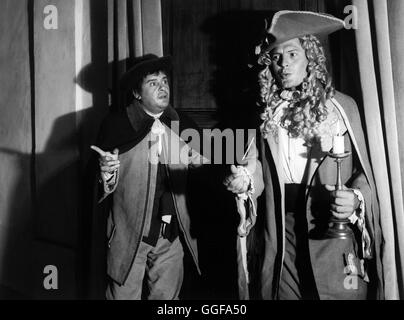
(212, 43)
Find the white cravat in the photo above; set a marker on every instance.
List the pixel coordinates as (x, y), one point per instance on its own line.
(294, 156)
(293, 152)
(157, 129)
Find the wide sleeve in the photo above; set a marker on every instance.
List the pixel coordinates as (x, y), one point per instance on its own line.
(254, 167)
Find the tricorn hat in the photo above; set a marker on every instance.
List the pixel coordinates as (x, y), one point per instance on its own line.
(144, 65)
(288, 25)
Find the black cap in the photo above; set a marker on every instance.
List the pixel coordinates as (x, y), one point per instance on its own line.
(143, 66)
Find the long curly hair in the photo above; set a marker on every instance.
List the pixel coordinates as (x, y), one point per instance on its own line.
(307, 110)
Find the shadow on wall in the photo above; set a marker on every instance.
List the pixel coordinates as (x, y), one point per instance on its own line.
(42, 225)
(45, 221)
(233, 37)
(93, 223)
(50, 221)
(16, 227)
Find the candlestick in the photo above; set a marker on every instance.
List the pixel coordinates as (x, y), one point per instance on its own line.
(338, 228)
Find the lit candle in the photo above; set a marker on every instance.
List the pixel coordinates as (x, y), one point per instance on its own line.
(338, 142)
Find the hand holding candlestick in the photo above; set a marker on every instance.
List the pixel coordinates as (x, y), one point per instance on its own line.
(338, 228)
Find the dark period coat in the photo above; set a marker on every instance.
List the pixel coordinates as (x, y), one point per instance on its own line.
(328, 256)
(130, 201)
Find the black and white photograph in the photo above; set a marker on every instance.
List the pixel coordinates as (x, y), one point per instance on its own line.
(202, 154)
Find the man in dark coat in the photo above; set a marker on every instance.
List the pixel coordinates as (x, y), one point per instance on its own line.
(143, 176)
(305, 122)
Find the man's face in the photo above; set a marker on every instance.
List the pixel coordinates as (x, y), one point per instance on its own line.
(155, 92)
(289, 63)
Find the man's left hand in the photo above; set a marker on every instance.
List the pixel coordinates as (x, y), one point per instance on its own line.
(343, 202)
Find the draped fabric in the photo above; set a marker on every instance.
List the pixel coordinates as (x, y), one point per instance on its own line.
(380, 42)
(134, 29)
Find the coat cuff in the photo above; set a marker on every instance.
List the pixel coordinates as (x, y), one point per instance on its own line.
(358, 217)
(109, 183)
(360, 212)
(247, 176)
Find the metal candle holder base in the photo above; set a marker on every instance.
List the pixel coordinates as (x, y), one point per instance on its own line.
(338, 228)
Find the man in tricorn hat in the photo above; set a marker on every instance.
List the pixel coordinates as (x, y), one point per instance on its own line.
(142, 180)
(305, 125)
